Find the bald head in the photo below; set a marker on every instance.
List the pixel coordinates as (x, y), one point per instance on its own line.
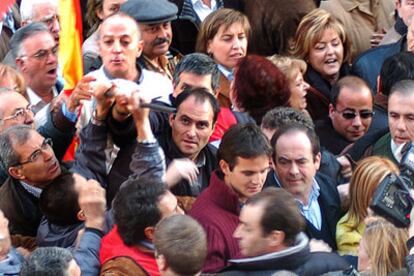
(119, 19)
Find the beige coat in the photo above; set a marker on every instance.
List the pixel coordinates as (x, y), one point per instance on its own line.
(361, 19)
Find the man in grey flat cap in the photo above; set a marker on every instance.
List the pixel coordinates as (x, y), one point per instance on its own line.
(154, 20)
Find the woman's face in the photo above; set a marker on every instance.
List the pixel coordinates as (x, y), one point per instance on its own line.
(327, 55)
(298, 89)
(228, 45)
(109, 7)
(364, 263)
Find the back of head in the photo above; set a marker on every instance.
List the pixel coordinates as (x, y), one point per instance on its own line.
(245, 141)
(136, 208)
(259, 86)
(280, 212)
(394, 69)
(385, 245)
(365, 179)
(200, 65)
(353, 83)
(9, 139)
(24, 33)
(47, 261)
(182, 243)
(59, 201)
(212, 23)
(201, 95)
(288, 65)
(281, 116)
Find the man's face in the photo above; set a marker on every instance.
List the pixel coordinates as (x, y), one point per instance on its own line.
(410, 37)
(109, 7)
(168, 205)
(192, 126)
(119, 46)
(38, 62)
(157, 38)
(14, 110)
(191, 80)
(401, 117)
(356, 104)
(295, 165)
(44, 166)
(248, 175)
(405, 9)
(48, 14)
(252, 241)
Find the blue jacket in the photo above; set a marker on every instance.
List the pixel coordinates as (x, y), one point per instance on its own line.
(368, 64)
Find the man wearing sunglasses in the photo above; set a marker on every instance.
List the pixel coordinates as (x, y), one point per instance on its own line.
(350, 115)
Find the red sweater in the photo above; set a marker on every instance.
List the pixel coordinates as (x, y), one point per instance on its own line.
(217, 209)
(112, 246)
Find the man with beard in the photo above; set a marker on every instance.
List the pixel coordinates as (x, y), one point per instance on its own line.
(154, 20)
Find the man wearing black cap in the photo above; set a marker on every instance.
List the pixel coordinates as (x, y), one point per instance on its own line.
(154, 19)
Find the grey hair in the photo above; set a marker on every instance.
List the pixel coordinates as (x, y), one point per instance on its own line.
(24, 33)
(405, 87)
(199, 64)
(27, 7)
(280, 116)
(45, 261)
(15, 135)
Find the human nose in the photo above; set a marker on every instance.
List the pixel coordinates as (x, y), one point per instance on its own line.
(236, 233)
(117, 47)
(294, 169)
(401, 125)
(357, 120)
(191, 132)
(28, 117)
(55, 28)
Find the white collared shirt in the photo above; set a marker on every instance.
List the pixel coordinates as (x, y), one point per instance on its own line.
(202, 10)
(396, 150)
(36, 101)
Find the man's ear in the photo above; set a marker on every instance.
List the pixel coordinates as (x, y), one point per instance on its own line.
(331, 110)
(19, 63)
(81, 215)
(379, 85)
(16, 172)
(171, 118)
(317, 160)
(140, 47)
(149, 233)
(224, 166)
(276, 238)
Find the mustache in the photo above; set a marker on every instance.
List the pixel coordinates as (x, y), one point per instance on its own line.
(160, 40)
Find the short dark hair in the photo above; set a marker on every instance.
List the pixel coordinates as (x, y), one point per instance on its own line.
(405, 87)
(199, 64)
(200, 95)
(280, 116)
(14, 135)
(24, 33)
(59, 201)
(280, 212)
(394, 69)
(183, 243)
(296, 127)
(47, 261)
(136, 208)
(259, 86)
(245, 141)
(352, 82)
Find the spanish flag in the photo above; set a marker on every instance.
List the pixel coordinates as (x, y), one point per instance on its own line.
(70, 51)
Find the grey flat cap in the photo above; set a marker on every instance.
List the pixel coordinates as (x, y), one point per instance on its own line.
(150, 11)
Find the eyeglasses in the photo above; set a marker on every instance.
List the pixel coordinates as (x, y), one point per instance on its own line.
(46, 145)
(350, 114)
(44, 54)
(20, 114)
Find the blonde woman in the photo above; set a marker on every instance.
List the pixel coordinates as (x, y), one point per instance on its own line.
(383, 248)
(10, 78)
(365, 179)
(323, 43)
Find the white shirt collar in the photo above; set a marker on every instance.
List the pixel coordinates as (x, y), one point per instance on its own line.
(35, 100)
(396, 150)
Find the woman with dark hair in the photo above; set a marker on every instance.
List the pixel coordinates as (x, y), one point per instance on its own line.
(321, 40)
(97, 11)
(258, 87)
(223, 36)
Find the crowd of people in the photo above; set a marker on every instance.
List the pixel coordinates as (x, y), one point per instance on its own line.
(213, 137)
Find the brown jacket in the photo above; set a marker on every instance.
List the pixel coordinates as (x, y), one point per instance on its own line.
(223, 92)
(122, 266)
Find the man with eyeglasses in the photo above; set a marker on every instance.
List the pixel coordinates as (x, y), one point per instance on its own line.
(350, 115)
(36, 57)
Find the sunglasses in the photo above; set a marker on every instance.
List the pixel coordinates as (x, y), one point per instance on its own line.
(349, 114)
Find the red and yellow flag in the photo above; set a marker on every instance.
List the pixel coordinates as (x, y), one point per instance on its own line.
(70, 51)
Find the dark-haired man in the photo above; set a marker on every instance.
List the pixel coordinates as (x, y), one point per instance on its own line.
(271, 239)
(296, 160)
(244, 156)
